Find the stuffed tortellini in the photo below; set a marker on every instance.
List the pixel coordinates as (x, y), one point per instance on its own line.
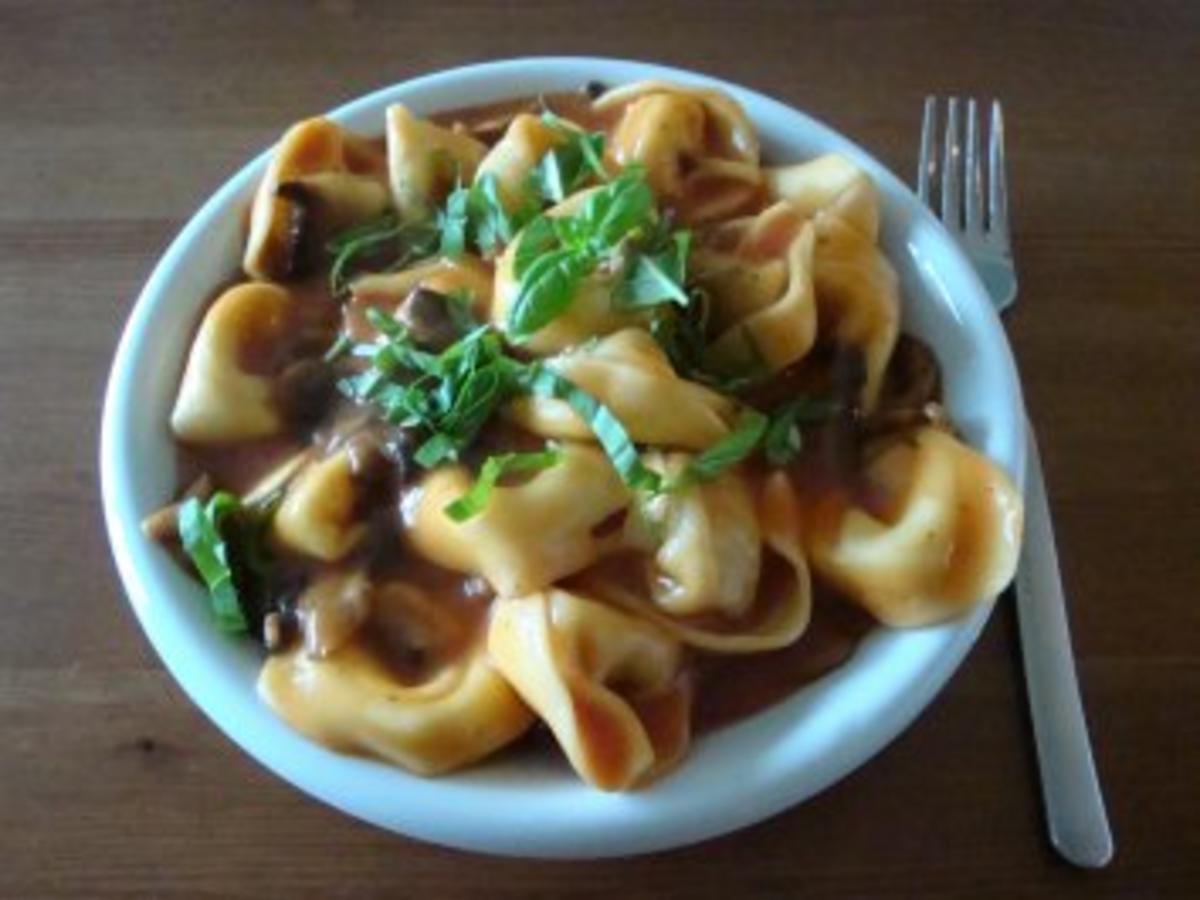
(424, 160)
(318, 171)
(727, 571)
(530, 535)
(319, 513)
(946, 535)
(448, 712)
(607, 684)
(227, 394)
(630, 374)
(858, 301)
(760, 275)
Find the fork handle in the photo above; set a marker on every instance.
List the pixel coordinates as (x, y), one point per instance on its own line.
(1070, 789)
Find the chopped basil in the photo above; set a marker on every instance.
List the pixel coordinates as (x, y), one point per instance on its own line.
(658, 278)
(224, 540)
(609, 431)
(730, 450)
(494, 468)
(547, 289)
(386, 242)
(567, 167)
(476, 217)
(557, 254)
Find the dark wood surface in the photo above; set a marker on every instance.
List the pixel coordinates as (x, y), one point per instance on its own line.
(117, 119)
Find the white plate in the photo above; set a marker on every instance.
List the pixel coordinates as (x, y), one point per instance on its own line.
(531, 805)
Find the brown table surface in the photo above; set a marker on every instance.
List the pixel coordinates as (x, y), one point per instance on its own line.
(117, 119)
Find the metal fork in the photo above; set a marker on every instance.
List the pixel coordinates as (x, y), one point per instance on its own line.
(1071, 793)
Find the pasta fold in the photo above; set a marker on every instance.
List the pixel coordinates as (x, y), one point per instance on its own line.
(759, 273)
(945, 537)
(607, 684)
(715, 589)
(319, 513)
(529, 535)
(442, 717)
(858, 300)
(424, 160)
(629, 373)
(221, 398)
(318, 169)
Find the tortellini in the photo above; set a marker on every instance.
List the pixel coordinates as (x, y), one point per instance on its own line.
(352, 700)
(424, 160)
(629, 373)
(858, 300)
(319, 513)
(716, 588)
(514, 156)
(467, 277)
(946, 536)
(606, 683)
(671, 129)
(831, 184)
(319, 165)
(760, 275)
(709, 553)
(224, 396)
(529, 535)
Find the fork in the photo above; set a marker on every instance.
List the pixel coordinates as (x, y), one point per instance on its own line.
(1071, 794)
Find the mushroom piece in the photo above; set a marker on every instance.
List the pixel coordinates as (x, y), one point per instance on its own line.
(428, 317)
(331, 609)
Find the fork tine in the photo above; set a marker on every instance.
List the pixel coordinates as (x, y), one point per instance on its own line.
(951, 170)
(997, 180)
(927, 164)
(973, 202)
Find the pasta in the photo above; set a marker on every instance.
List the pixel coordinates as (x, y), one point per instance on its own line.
(567, 410)
(630, 374)
(945, 535)
(606, 683)
(220, 401)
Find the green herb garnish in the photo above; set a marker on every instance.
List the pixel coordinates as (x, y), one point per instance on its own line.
(609, 431)
(494, 468)
(386, 241)
(224, 539)
(569, 166)
(730, 450)
(557, 254)
(656, 278)
(476, 216)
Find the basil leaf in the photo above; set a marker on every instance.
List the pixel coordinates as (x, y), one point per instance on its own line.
(609, 431)
(784, 439)
(454, 221)
(493, 226)
(224, 541)
(546, 290)
(537, 238)
(617, 209)
(566, 167)
(385, 241)
(730, 450)
(475, 500)
(658, 278)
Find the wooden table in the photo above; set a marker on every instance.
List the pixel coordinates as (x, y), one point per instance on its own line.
(117, 119)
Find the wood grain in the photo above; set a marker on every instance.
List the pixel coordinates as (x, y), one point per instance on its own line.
(117, 118)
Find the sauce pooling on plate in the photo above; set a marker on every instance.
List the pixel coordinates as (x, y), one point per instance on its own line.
(567, 409)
